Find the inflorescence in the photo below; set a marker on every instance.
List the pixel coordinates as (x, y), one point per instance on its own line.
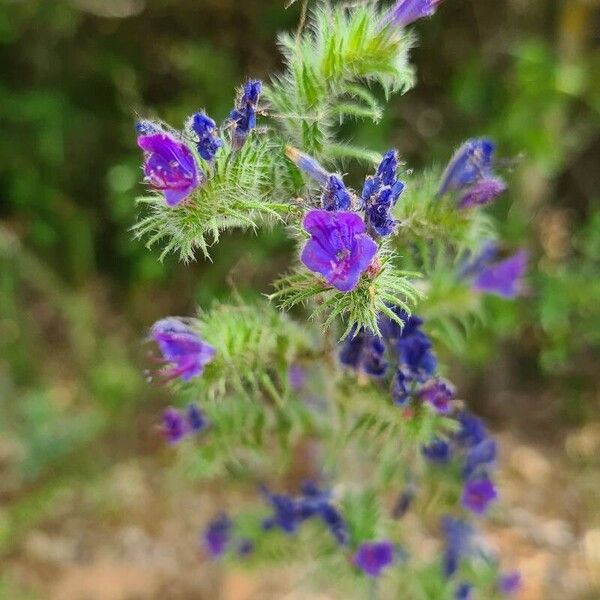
(347, 235)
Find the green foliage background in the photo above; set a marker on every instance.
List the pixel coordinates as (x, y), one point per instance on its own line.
(77, 293)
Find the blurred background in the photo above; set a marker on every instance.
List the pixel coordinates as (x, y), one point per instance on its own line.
(90, 503)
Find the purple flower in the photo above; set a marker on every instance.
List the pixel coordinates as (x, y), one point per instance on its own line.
(439, 451)
(503, 278)
(372, 557)
(364, 351)
(464, 591)
(439, 394)
(338, 248)
(335, 195)
(243, 116)
(458, 534)
(208, 141)
(510, 583)
(480, 456)
(175, 426)
(482, 192)
(217, 536)
(478, 494)
(195, 418)
(405, 12)
(470, 163)
(182, 348)
(308, 164)
(380, 194)
(170, 166)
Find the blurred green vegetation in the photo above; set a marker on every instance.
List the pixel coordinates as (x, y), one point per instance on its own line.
(77, 293)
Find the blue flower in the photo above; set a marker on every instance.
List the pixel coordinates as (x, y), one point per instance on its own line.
(243, 116)
(439, 393)
(415, 350)
(364, 351)
(480, 456)
(478, 494)
(380, 194)
(309, 165)
(335, 195)
(170, 166)
(208, 141)
(339, 248)
(458, 535)
(439, 451)
(195, 418)
(471, 163)
(405, 12)
(464, 591)
(286, 515)
(373, 557)
(503, 278)
(401, 387)
(182, 348)
(472, 430)
(217, 536)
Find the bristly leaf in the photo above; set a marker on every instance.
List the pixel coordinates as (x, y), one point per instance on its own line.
(328, 68)
(359, 308)
(238, 192)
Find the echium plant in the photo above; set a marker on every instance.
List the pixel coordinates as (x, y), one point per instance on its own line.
(355, 398)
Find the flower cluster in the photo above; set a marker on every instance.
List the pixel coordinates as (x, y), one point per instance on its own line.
(172, 167)
(335, 249)
(470, 172)
(178, 425)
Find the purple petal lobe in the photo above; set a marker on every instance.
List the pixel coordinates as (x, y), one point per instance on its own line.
(503, 278)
